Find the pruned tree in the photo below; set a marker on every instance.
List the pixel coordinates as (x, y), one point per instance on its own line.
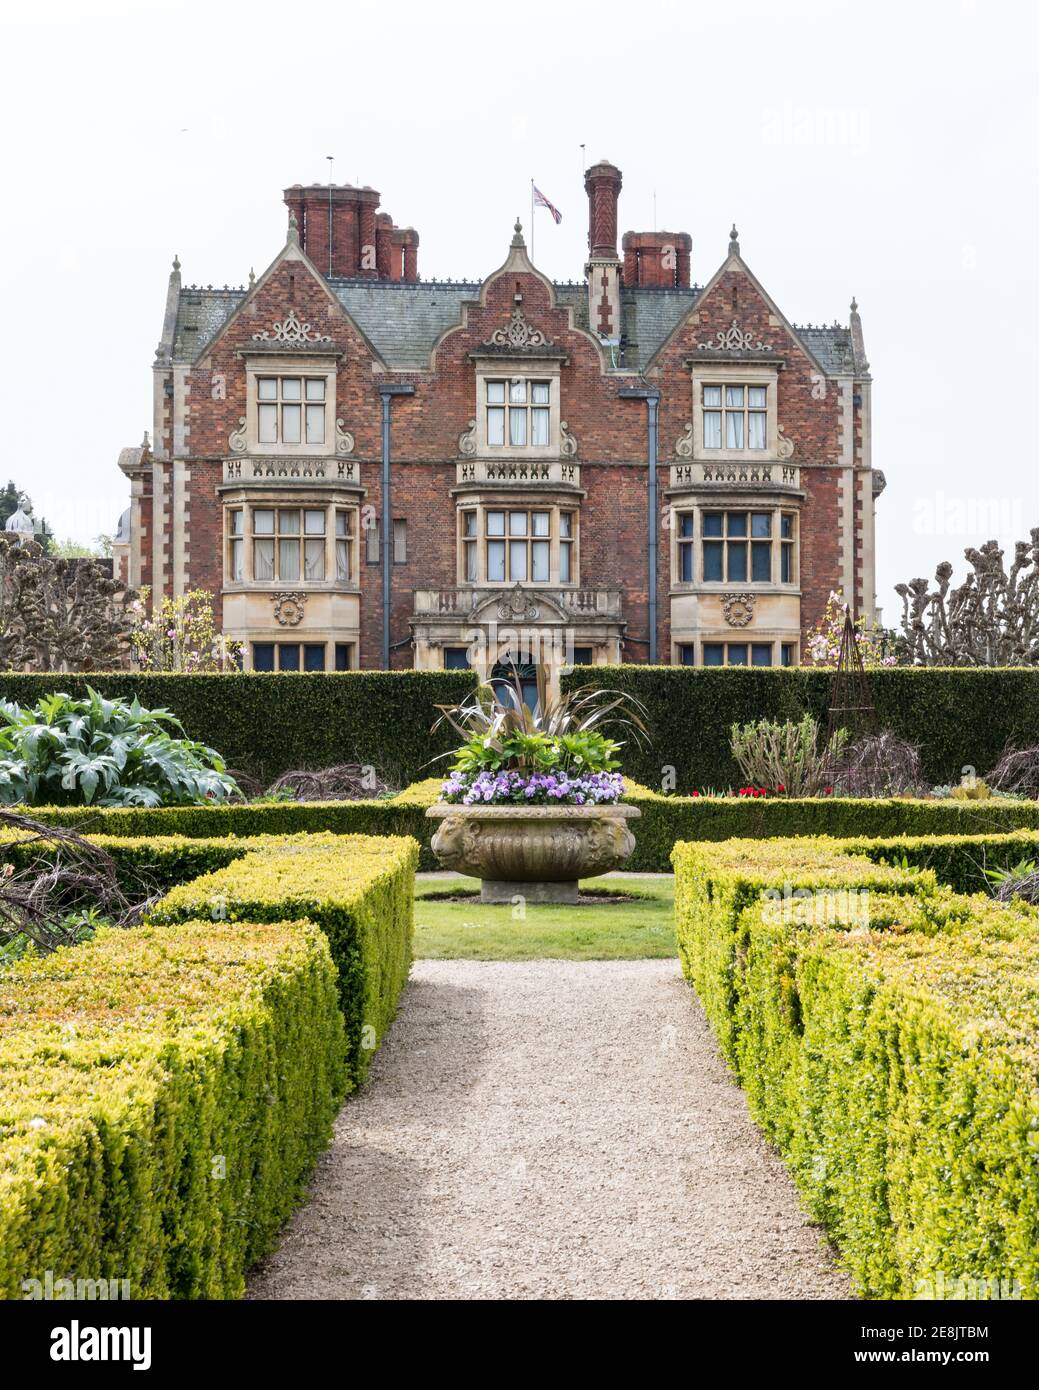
(991, 619)
(60, 614)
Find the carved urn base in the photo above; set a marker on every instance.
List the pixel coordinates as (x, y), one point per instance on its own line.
(535, 852)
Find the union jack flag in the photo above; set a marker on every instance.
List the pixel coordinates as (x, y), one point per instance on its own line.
(540, 201)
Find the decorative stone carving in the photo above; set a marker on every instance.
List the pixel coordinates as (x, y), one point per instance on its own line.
(344, 439)
(735, 339)
(236, 440)
(738, 609)
(467, 440)
(567, 442)
(288, 608)
(537, 852)
(784, 446)
(518, 605)
(290, 330)
(518, 333)
(684, 442)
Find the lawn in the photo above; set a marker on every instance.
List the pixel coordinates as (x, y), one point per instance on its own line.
(638, 925)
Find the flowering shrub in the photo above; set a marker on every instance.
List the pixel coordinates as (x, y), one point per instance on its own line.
(823, 646)
(536, 789)
(180, 635)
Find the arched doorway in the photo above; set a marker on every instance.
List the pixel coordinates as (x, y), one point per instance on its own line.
(506, 674)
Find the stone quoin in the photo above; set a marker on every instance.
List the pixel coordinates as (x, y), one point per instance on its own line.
(516, 420)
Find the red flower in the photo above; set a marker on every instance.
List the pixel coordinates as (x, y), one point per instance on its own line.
(781, 788)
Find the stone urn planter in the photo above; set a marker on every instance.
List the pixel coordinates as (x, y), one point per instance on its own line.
(537, 852)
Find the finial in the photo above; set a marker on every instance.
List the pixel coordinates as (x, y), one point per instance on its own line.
(293, 233)
(176, 264)
(854, 305)
(252, 277)
(146, 442)
(517, 238)
(734, 241)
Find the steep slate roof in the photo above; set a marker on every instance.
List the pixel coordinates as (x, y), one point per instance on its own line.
(403, 320)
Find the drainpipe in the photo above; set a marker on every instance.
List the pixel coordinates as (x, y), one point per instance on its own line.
(387, 391)
(651, 395)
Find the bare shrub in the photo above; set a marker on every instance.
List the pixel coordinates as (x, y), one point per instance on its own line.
(344, 782)
(879, 765)
(786, 756)
(1016, 771)
(63, 874)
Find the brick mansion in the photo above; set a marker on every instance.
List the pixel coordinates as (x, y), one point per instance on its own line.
(368, 469)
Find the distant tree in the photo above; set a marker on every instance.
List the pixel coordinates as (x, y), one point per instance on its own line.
(60, 614)
(991, 619)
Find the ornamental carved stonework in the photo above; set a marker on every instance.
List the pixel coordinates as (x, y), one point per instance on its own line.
(517, 605)
(784, 446)
(290, 330)
(236, 440)
(567, 442)
(344, 439)
(288, 608)
(738, 609)
(684, 442)
(734, 339)
(467, 440)
(513, 845)
(518, 333)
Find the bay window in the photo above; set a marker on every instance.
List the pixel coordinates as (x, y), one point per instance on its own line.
(271, 544)
(517, 545)
(736, 546)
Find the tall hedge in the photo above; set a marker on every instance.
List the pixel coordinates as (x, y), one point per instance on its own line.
(958, 718)
(268, 724)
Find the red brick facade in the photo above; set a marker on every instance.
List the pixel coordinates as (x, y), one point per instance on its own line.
(571, 351)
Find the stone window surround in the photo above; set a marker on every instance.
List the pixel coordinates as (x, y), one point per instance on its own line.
(737, 374)
(271, 500)
(777, 506)
(295, 637)
(282, 365)
(777, 639)
(526, 502)
(530, 369)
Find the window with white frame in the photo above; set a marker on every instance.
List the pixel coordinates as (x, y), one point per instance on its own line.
(736, 546)
(517, 545)
(518, 413)
(735, 416)
(274, 544)
(291, 410)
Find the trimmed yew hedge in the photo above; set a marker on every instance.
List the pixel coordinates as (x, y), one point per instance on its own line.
(958, 717)
(894, 1063)
(266, 724)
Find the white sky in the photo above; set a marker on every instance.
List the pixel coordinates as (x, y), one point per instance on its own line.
(887, 150)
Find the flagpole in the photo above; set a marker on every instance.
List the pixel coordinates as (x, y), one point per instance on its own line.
(532, 219)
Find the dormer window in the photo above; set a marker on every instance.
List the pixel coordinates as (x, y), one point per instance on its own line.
(518, 413)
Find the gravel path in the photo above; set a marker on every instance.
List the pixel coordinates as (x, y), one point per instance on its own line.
(549, 1129)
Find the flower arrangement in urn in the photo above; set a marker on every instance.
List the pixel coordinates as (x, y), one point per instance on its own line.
(532, 802)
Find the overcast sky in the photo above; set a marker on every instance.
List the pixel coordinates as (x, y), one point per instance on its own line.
(886, 150)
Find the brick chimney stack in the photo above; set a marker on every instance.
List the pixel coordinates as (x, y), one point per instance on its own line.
(602, 183)
(657, 259)
(357, 240)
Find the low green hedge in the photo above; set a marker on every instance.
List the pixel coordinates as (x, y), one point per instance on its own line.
(357, 889)
(961, 861)
(664, 820)
(892, 1060)
(268, 724)
(163, 1098)
(690, 711)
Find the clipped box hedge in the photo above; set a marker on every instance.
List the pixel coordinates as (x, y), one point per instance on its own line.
(163, 1098)
(690, 711)
(664, 820)
(267, 724)
(358, 889)
(894, 1063)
